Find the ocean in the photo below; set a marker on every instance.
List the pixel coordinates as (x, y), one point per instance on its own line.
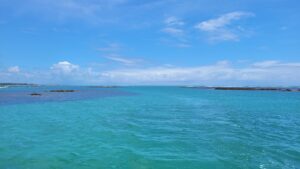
(148, 128)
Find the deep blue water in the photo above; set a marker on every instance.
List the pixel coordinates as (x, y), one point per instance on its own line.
(149, 127)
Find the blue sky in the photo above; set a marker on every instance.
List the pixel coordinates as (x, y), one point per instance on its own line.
(170, 42)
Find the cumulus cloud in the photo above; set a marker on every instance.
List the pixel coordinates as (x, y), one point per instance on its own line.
(13, 69)
(219, 28)
(64, 67)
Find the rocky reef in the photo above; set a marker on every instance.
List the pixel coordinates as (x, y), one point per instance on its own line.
(248, 88)
(62, 91)
(35, 94)
(258, 88)
(103, 86)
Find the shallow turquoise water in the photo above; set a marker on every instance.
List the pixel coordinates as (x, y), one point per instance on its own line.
(153, 127)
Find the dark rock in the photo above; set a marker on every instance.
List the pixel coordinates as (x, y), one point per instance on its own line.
(256, 88)
(35, 94)
(103, 86)
(62, 91)
(195, 87)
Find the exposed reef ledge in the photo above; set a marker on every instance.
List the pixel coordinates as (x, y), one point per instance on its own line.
(62, 91)
(258, 88)
(249, 88)
(103, 86)
(35, 94)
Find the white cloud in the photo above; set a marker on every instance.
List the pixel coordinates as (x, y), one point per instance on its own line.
(13, 69)
(176, 41)
(112, 47)
(173, 31)
(123, 12)
(173, 21)
(122, 60)
(170, 74)
(174, 27)
(274, 64)
(69, 9)
(265, 73)
(266, 64)
(111, 52)
(64, 67)
(222, 21)
(223, 35)
(221, 73)
(219, 28)
(182, 45)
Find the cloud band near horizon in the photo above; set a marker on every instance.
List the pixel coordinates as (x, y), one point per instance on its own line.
(265, 73)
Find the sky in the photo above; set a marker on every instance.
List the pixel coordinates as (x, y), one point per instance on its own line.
(150, 42)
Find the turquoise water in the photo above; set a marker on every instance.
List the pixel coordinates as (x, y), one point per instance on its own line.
(150, 127)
